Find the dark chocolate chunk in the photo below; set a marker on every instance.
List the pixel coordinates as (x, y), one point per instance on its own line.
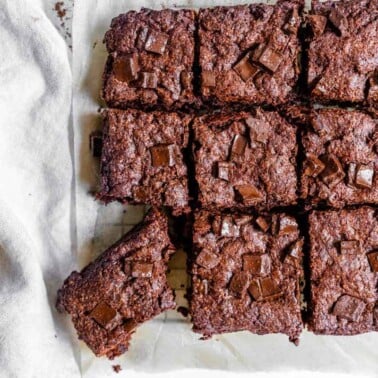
(364, 176)
(243, 220)
(207, 259)
(229, 228)
(129, 325)
(224, 170)
(248, 194)
(148, 80)
(126, 67)
(373, 261)
(255, 290)
(162, 155)
(270, 59)
(208, 78)
(238, 146)
(257, 264)
(349, 246)
(95, 144)
(186, 79)
(141, 270)
(245, 69)
(269, 288)
(337, 19)
(103, 314)
(314, 166)
(294, 253)
(318, 24)
(263, 223)
(258, 129)
(156, 42)
(239, 283)
(351, 177)
(348, 307)
(257, 52)
(287, 225)
(333, 172)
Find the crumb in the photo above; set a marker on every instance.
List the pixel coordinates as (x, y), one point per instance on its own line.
(60, 11)
(117, 368)
(94, 44)
(183, 311)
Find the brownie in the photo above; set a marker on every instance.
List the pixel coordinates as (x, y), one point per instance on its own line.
(123, 288)
(341, 158)
(249, 53)
(344, 271)
(150, 62)
(142, 158)
(245, 160)
(343, 52)
(246, 272)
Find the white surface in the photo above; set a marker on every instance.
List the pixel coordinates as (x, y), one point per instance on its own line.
(49, 223)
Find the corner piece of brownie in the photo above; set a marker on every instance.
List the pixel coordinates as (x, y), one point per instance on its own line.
(341, 158)
(122, 288)
(142, 158)
(151, 56)
(245, 160)
(246, 272)
(343, 53)
(249, 54)
(344, 271)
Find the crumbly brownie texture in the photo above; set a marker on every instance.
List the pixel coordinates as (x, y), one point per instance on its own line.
(341, 158)
(249, 53)
(343, 53)
(246, 274)
(245, 160)
(142, 158)
(151, 55)
(123, 288)
(344, 271)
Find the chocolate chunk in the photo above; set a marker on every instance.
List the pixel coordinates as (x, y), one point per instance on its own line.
(148, 80)
(186, 79)
(156, 42)
(270, 59)
(349, 246)
(287, 225)
(126, 67)
(294, 253)
(263, 223)
(373, 261)
(243, 220)
(333, 172)
(129, 325)
(314, 166)
(203, 287)
(141, 39)
(352, 167)
(95, 144)
(224, 170)
(373, 89)
(257, 52)
(317, 23)
(207, 259)
(364, 176)
(349, 308)
(238, 146)
(269, 288)
(239, 283)
(245, 69)
(229, 228)
(291, 24)
(255, 290)
(208, 78)
(141, 194)
(258, 129)
(162, 155)
(257, 264)
(141, 270)
(338, 20)
(103, 314)
(248, 194)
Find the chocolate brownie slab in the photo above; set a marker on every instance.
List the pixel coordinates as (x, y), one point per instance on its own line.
(249, 53)
(245, 274)
(343, 53)
(142, 158)
(151, 56)
(341, 158)
(245, 160)
(344, 271)
(123, 288)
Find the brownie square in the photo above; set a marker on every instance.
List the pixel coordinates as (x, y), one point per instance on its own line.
(151, 56)
(246, 272)
(344, 271)
(245, 160)
(123, 288)
(341, 158)
(343, 53)
(142, 158)
(249, 53)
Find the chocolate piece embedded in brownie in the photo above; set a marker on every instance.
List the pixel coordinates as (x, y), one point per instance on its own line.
(245, 160)
(151, 55)
(142, 158)
(341, 158)
(249, 53)
(123, 288)
(343, 53)
(344, 271)
(245, 274)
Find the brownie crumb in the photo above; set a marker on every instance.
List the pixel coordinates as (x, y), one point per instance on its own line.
(117, 368)
(183, 311)
(60, 11)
